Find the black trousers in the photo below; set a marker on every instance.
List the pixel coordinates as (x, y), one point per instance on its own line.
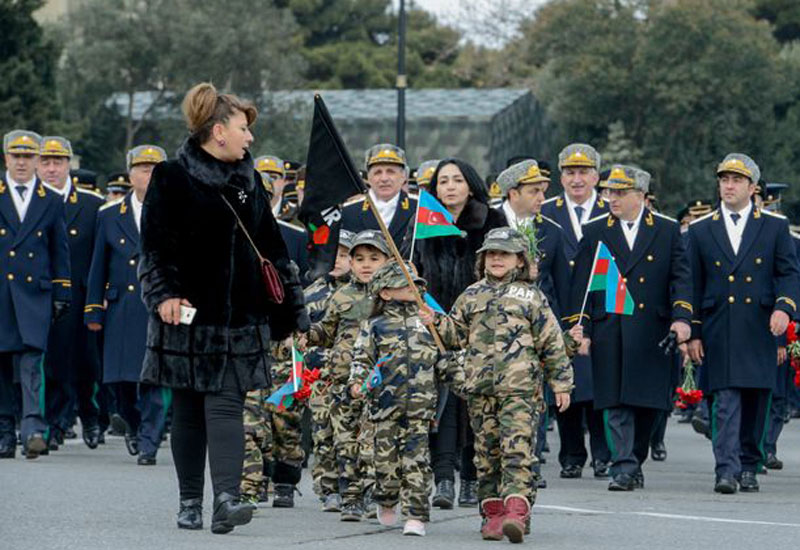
(65, 397)
(739, 419)
(445, 445)
(659, 428)
(570, 433)
(628, 431)
(211, 421)
(31, 405)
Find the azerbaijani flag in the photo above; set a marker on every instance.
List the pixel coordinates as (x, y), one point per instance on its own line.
(375, 379)
(433, 219)
(431, 301)
(606, 276)
(283, 398)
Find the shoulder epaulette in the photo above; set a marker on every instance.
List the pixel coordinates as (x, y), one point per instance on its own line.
(412, 196)
(773, 214)
(89, 192)
(794, 234)
(701, 218)
(111, 204)
(660, 215)
(360, 198)
(51, 188)
(597, 218)
(291, 226)
(551, 199)
(550, 220)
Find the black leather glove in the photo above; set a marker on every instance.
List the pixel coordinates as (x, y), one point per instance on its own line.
(59, 309)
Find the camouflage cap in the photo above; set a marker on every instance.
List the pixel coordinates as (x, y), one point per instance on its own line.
(740, 164)
(145, 154)
(270, 164)
(56, 146)
(390, 275)
(425, 172)
(518, 174)
(385, 153)
(622, 176)
(505, 239)
(577, 155)
(22, 142)
(346, 238)
(371, 237)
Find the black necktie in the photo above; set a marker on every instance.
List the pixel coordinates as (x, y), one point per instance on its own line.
(579, 213)
(630, 225)
(735, 217)
(21, 190)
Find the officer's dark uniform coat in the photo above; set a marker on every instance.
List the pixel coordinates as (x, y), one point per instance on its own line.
(34, 267)
(112, 278)
(357, 216)
(296, 240)
(735, 295)
(628, 368)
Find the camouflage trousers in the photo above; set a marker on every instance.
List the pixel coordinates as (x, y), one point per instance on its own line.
(257, 442)
(403, 466)
(504, 438)
(353, 443)
(325, 471)
(287, 434)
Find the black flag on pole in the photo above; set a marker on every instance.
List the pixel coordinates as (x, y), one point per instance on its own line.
(331, 178)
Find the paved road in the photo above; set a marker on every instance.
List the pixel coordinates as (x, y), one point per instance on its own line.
(83, 499)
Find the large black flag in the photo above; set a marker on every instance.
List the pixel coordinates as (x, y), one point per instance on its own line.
(331, 178)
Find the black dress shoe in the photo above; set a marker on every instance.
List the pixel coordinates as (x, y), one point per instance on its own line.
(283, 496)
(70, 434)
(58, 436)
(748, 483)
(725, 486)
(229, 512)
(146, 460)
(190, 514)
(773, 462)
(35, 445)
(101, 438)
(8, 448)
(445, 494)
(118, 426)
(132, 444)
(91, 436)
(541, 483)
(468, 494)
(701, 426)
(622, 482)
(601, 469)
(638, 480)
(659, 452)
(571, 471)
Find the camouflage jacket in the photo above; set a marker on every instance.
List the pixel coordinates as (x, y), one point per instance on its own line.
(337, 330)
(512, 339)
(410, 364)
(318, 295)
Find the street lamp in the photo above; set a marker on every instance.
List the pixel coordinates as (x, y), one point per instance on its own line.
(402, 82)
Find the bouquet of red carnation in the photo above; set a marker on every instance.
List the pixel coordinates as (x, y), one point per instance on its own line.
(793, 350)
(687, 393)
(308, 377)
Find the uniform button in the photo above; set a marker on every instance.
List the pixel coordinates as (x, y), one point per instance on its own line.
(641, 279)
(28, 279)
(131, 288)
(730, 278)
(758, 261)
(73, 231)
(3, 231)
(132, 262)
(10, 276)
(641, 306)
(572, 263)
(625, 280)
(749, 279)
(30, 254)
(12, 253)
(717, 263)
(122, 241)
(38, 233)
(731, 299)
(649, 258)
(747, 300)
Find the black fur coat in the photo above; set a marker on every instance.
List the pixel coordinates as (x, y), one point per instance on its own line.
(192, 248)
(448, 263)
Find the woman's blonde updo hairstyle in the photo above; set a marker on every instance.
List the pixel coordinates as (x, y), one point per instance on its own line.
(203, 107)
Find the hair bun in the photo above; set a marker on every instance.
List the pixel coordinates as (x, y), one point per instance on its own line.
(199, 105)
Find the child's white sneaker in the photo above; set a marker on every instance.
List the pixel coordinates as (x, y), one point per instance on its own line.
(387, 515)
(414, 527)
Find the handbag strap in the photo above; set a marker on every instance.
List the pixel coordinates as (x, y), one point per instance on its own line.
(244, 229)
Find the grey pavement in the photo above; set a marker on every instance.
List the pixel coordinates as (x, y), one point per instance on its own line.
(82, 499)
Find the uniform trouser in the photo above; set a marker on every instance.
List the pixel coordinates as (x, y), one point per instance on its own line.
(324, 471)
(659, 428)
(777, 413)
(445, 445)
(144, 407)
(256, 420)
(628, 432)
(65, 397)
(402, 465)
(208, 421)
(571, 434)
(107, 405)
(739, 419)
(353, 436)
(32, 385)
(504, 439)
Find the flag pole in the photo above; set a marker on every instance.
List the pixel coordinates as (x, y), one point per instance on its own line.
(416, 221)
(396, 254)
(295, 386)
(589, 282)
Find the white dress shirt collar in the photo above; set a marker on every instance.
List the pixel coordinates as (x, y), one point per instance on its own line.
(20, 203)
(136, 206)
(736, 230)
(585, 215)
(385, 208)
(631, 228)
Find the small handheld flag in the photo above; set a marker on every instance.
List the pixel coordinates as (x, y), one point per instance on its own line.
(433, 219)
(431, 301)
(283, 397)
(605, 275)
(375, 378)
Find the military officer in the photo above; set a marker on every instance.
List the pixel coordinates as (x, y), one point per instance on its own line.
(632, 376)
(745, 283)
(72, 363)
(34, 289)
(114, 305)
(387, 172)
(274, 169)
(118, 185)
(425, 172)
(579, 164)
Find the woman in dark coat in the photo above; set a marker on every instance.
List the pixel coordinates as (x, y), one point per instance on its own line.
(448, 264)
(194, 254)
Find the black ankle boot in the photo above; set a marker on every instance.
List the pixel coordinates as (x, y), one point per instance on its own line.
(229, 512)
(190, 514)
(468, 494)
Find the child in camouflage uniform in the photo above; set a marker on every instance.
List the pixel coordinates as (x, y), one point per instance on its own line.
(337, 331)
(318, 296)
(394, 359)
(511, 336)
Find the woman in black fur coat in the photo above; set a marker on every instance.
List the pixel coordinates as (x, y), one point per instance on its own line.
(195, 255)
(448, 264)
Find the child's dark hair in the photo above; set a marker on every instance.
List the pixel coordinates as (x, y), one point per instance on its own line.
(524, 273)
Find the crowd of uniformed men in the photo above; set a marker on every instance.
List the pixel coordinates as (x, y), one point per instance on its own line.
(724, 278)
